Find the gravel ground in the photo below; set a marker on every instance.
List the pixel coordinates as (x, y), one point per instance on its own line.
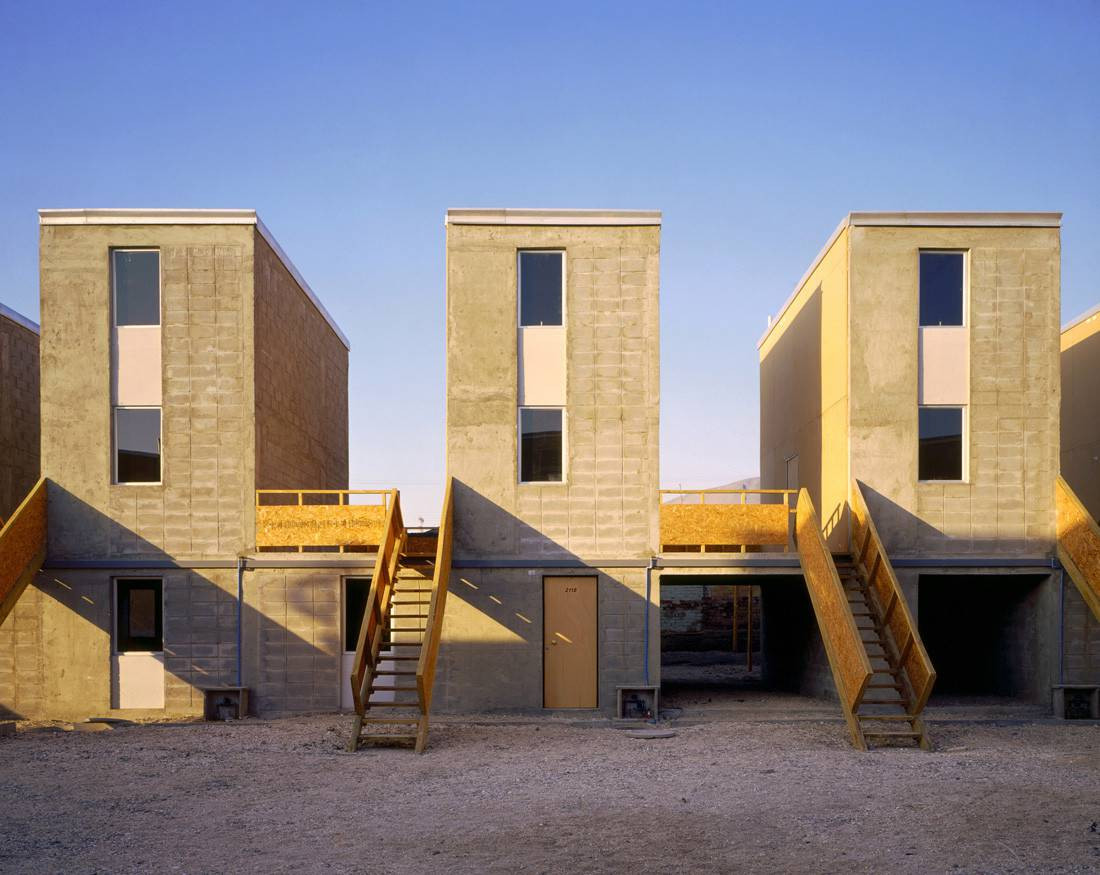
(722, 796)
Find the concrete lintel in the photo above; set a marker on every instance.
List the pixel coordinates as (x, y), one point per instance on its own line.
(1046, 563)
(784, 561)
(539, 562)
(513, 216)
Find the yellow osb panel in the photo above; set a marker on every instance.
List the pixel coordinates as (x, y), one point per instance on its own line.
(1079, 542)
(319, 525)
(22, 538)
(748, 524)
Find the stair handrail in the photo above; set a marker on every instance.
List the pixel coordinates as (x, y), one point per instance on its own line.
(843, 644)
(869, 551)
(1078, 543)
(429, 652)
(22, 546)
(377, 610)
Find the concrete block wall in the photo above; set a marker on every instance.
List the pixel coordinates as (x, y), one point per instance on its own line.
(606, 507)
(1081, 641)
(1007, 505)
(19, 413)
(492, 653)
(204, 508)
(301, 385)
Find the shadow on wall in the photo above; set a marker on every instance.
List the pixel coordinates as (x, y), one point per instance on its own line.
(492, 653)
(58, 655)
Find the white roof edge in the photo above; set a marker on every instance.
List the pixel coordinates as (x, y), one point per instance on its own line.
(19, 319)
(798, 286)
(917, 220)
(958, 219)
(141, 216)
(1091, 313)
(518, 216)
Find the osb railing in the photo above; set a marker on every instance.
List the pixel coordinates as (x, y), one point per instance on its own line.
(376, 614)
(429, 652)
(1078, 544)
(318, 519)
(869, 552)
(724, 520)
(843, 643)
(22, 547)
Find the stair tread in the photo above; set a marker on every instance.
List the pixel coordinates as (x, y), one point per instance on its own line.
(899, 733)
(374, 704)
(894, 717)
(401, 720)
(391, 671)
(387, 736)
(392, 688)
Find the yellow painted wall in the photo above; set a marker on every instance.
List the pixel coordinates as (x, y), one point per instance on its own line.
(1081, 411)
(804, 391)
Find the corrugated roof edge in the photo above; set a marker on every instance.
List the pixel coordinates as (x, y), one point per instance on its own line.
(522, 216)
(917, 220)
(19, 319)
(138, 216)
(1084, 317)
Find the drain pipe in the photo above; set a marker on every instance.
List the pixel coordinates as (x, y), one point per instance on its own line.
(240, 612)
(1061, 626)
(648, 608)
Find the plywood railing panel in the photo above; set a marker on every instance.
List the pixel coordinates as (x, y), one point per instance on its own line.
(868, 550)
(1078, 544)
(843, 644)
(293, 519)
(724, 518)
(22, 547)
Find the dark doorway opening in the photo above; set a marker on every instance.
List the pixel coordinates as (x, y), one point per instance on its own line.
(983, 635)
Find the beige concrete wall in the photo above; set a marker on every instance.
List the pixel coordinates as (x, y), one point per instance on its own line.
(804, 392)
(1007, 505)
(19, 424)
(1080, 450)
(492, 650)
(608, 506)
(301, 385)
(205, 505)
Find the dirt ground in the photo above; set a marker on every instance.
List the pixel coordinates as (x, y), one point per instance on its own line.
(509, 796)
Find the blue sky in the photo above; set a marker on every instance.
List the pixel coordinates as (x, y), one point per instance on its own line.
(352, 127)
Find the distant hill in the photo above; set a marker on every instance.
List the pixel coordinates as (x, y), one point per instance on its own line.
(746, 483)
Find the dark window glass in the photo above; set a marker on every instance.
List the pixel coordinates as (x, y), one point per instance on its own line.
(137, 287)
(540, 288)
(941, 288)
(356, 590)
(941, 443)
(140, 615)
(540, 445)
(137, 442)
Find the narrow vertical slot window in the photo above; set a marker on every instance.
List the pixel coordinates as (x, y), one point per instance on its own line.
(942, 288)
(541, 445)
(137, 445)
(541, 288)
(940, 454)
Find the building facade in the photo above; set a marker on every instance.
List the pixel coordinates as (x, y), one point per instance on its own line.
(552, 441)
(19, 453)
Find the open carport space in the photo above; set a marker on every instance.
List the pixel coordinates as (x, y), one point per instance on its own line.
(541, 796)
(990, 636)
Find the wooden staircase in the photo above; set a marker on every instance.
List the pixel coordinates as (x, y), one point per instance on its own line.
(886, 712)
(1078, 544)
(395, 659)
(22, 547)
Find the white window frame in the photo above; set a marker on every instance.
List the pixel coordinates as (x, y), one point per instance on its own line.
(114, 445)
(519, 285)
(965, 448)
(965, 253)
(114, 282)
(564, 447)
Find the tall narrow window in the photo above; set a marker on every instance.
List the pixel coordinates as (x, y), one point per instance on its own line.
(940, 455)
(136, 365)
(942, 288)
(541, 445)
(140, 616)
(137, 445)
(541, 287)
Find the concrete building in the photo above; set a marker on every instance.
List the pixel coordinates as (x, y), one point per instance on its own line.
(919, 356)
(185, 365)
(552, 441)
(19, 458)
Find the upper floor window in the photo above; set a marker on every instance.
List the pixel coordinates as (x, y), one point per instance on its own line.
(136, 277)
(541, 288)
(541, 444)
(940, 436)
(137, 445)
(942, 288)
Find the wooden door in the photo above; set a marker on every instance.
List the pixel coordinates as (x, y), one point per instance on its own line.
(569, 634)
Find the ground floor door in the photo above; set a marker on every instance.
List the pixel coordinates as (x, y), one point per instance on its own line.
(356, 590)
(570, 631)
(137, 670)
